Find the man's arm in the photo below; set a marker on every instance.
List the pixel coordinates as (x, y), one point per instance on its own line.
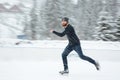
(59, 34)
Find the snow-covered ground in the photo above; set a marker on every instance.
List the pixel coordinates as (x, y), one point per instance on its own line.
(48, 70)
(41, 60)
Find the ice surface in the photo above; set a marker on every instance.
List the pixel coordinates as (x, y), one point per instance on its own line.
(41, 60)
(48, 70)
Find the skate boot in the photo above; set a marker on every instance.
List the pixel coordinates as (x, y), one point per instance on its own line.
(64, 72)
(97, 65)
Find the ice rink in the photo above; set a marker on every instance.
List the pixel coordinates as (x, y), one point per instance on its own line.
(44, 63)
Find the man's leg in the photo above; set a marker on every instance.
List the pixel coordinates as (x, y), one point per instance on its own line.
(64, 57)
(80, 53)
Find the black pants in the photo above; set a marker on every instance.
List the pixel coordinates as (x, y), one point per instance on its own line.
(78, 49)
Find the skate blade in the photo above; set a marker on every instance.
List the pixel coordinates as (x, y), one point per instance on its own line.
(65, 74)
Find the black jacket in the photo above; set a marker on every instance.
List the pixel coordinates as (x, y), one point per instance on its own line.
(71, 35)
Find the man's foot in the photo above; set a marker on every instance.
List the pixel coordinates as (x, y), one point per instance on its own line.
(97, 65)
(64, 72)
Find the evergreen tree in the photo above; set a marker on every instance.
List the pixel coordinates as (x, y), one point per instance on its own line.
(118, 29)
(83, 16)
(86, 13)
(111, 7)
(33, 21)
(52, 13)
(107, 28)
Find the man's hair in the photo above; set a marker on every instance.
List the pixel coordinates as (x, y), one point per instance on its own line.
(65, 19)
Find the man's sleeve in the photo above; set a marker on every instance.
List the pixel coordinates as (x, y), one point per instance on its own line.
(59, 34)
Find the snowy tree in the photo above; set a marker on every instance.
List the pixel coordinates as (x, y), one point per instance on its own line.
(35, 27)
(86, 13)
(34, 20)
(83, 16)
(52, 13)
(107, 28)
(111, 7)
(118, 29)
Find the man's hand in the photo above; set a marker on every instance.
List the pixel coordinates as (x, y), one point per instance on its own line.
(51, 30)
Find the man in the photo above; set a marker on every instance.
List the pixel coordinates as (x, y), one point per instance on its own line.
(74, 44)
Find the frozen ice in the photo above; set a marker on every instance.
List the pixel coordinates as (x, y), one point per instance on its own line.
(41, 60)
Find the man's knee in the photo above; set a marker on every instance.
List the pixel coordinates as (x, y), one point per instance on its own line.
(66, 52)
(64, 55)
(82, 57)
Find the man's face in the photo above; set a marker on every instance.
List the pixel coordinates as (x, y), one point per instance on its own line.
(64, 23)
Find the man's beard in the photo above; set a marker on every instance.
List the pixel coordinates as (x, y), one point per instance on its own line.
(64, 25)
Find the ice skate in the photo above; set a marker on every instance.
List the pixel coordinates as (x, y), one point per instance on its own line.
(97, 65)
(64, 72)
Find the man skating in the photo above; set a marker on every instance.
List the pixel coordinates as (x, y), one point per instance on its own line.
(74, 44)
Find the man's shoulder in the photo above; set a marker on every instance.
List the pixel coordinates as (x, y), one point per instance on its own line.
(70, 26)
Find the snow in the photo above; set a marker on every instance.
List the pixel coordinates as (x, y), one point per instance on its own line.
(41, 60)
(48, 70)
(7, 32)
(75, 1)
(4, 32)
(7, 42)
(10, 1)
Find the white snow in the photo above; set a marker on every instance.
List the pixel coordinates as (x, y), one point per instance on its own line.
(7, 42)
(75, 1)
(48, 70)
(10, 1)
(41, 60)
(7, 31)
